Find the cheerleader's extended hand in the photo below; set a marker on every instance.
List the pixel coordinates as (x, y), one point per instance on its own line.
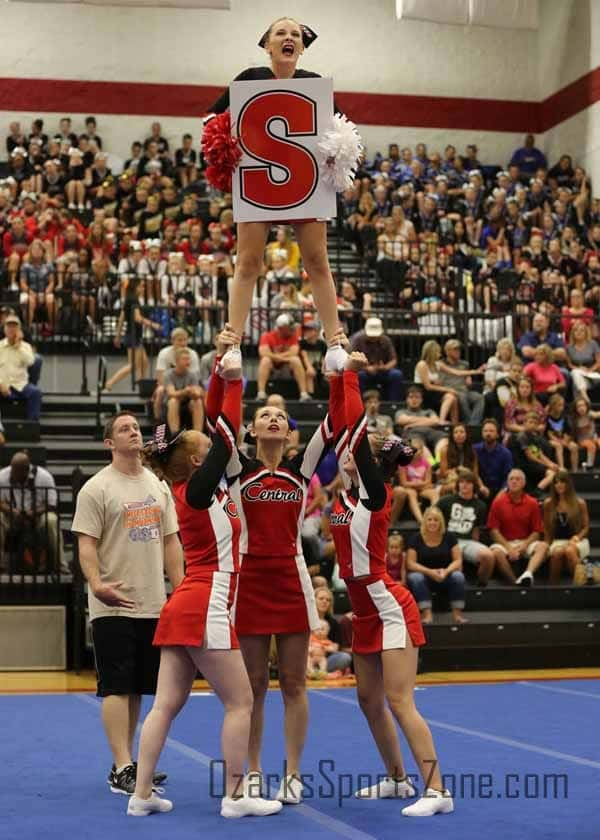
(226, 339)
(356, 361)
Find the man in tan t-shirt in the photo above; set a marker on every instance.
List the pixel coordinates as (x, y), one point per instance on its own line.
(127, 533)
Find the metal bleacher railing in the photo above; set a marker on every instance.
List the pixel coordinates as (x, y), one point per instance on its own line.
(87, 320)
(31, 551)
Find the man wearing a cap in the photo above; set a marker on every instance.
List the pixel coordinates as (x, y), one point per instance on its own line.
(379, 350)
(16, 356)
(279, 353)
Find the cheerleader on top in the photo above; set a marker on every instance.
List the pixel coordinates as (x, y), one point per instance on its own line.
(256, 73)
(285, 41)
(386, 626)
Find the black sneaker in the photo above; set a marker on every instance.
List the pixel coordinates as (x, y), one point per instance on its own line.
(158, 779)
(123, 782)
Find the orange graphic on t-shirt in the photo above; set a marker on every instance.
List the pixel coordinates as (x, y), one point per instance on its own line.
(141, 516)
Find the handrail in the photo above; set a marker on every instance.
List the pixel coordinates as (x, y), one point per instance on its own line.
(101, 382)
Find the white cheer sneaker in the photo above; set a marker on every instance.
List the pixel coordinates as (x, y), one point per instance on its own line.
(230, 366)
(290, 790)
(139, 807)
(335, 358)
(432, 802)
(387, 788)
(248, 806)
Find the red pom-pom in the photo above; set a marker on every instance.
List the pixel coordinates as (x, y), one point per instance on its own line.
(221, 151)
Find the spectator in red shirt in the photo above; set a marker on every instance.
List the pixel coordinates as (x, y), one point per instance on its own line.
(15, 243)
(100, 243)
(394, 558)
(218, 241)
(49, 231)
(279, 352)
(70, 240)
(576, 311)
(544, 374)
(29, 213)
(516, 528)
(193, 246)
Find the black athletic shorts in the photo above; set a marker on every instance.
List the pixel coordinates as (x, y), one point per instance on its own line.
(126, 660)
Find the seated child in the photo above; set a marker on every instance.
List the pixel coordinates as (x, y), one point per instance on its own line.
(415, 479)
(558, 432)
(394, 558)
(533, 452)
(319, 647)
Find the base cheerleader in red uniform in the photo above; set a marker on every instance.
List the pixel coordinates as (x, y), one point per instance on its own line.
(275, 595)
(284, 41)
(386, 624)
(194, 630)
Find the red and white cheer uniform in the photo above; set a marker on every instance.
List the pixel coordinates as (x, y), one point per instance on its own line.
(275, 593)
(384, 610)
(198, 611)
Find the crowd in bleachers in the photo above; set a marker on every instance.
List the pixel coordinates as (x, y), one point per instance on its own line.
(151, 248)
(435, 227)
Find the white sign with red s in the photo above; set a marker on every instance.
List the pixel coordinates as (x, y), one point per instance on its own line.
(278, 123)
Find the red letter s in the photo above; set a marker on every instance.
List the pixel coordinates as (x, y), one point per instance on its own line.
(257, 186)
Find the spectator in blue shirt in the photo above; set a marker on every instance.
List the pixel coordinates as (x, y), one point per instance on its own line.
(540, 334)
(471, 161)
(494, 459)
(528, 158)
(421, 154)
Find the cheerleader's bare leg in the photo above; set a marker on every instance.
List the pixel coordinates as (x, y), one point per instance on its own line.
(292, 653)
(371, 698)
(255, 650)
(312, 240)
(251, 242)
(399, 667)
(175, 678)
(226, 674)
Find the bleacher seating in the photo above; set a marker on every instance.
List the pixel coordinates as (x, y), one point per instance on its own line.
(507, 625)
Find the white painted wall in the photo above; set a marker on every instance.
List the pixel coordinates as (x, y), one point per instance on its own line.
(361, 44)
(568, 48)
(579, 137)
(569, 42)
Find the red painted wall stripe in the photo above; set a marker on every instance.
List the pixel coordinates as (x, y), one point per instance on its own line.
(173, 100)
(570, 100)
(439, 112)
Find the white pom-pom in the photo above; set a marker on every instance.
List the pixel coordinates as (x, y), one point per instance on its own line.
(339, 150)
